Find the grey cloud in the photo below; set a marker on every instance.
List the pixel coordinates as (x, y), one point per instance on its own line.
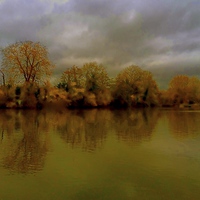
(110, 39)
(19, 20)
(161, 36)
(102, 8)
(170, 17)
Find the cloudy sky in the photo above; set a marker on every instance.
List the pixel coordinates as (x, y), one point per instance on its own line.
(162, 36)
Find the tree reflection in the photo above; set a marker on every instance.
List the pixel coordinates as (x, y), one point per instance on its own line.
(26, 140)
(84, 128)
(6, 122)
(96, 128)
(88, 129)
(70, 128)
(184, 123)
(134, 126)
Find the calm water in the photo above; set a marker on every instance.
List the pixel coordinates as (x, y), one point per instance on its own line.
(100, 154)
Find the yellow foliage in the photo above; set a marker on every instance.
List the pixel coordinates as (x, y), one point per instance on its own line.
(56, 94)
(73, 77)
(95, 77)
(184, 89)
(134, 85)
(90, 99)
(2, 97)
(26, 62)
(104, 98)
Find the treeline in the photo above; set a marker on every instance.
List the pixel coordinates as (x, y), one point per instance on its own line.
(90, 86)
(26, 70)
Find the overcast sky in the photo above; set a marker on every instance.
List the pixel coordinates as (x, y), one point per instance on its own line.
(162, 36)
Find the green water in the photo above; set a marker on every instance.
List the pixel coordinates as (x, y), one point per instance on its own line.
(100, 154)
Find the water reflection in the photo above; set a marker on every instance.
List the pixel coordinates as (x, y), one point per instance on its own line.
(89, 128)
(26, 141)
(85, 128)
(161, 161)
(134, 126)
(184, 123)
(25, 137)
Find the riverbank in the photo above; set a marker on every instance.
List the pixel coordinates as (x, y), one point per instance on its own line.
(63, 104)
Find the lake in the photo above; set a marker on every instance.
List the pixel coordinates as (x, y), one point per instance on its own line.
(99, 154)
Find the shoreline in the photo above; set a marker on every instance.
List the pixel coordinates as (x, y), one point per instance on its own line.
(58, 105)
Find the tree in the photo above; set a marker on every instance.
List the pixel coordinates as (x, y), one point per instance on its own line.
(95, 77)
(184, 89)
(87, 86)
(26, 62)
(135, 86)
(70, 78)
(96, 83)
(194, 90)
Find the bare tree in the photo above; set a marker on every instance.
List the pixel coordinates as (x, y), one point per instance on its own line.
(26, 62)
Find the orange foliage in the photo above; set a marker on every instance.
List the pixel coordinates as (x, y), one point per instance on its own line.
(26, 65)
(184, 89)
(26, 62)
(136, 86)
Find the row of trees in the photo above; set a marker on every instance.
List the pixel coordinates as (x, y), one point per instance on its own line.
(26, 69)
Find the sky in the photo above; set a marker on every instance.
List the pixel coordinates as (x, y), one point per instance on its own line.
(161, 36)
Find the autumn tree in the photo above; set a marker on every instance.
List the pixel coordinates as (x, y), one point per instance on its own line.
(135, 86)
(184, 89)
(96, 83)
(95, 77)
(194, 90)
(86, 86)
(70, 78)
(178, 88)
(26, 62)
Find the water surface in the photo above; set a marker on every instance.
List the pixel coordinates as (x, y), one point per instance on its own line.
(99, 154)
